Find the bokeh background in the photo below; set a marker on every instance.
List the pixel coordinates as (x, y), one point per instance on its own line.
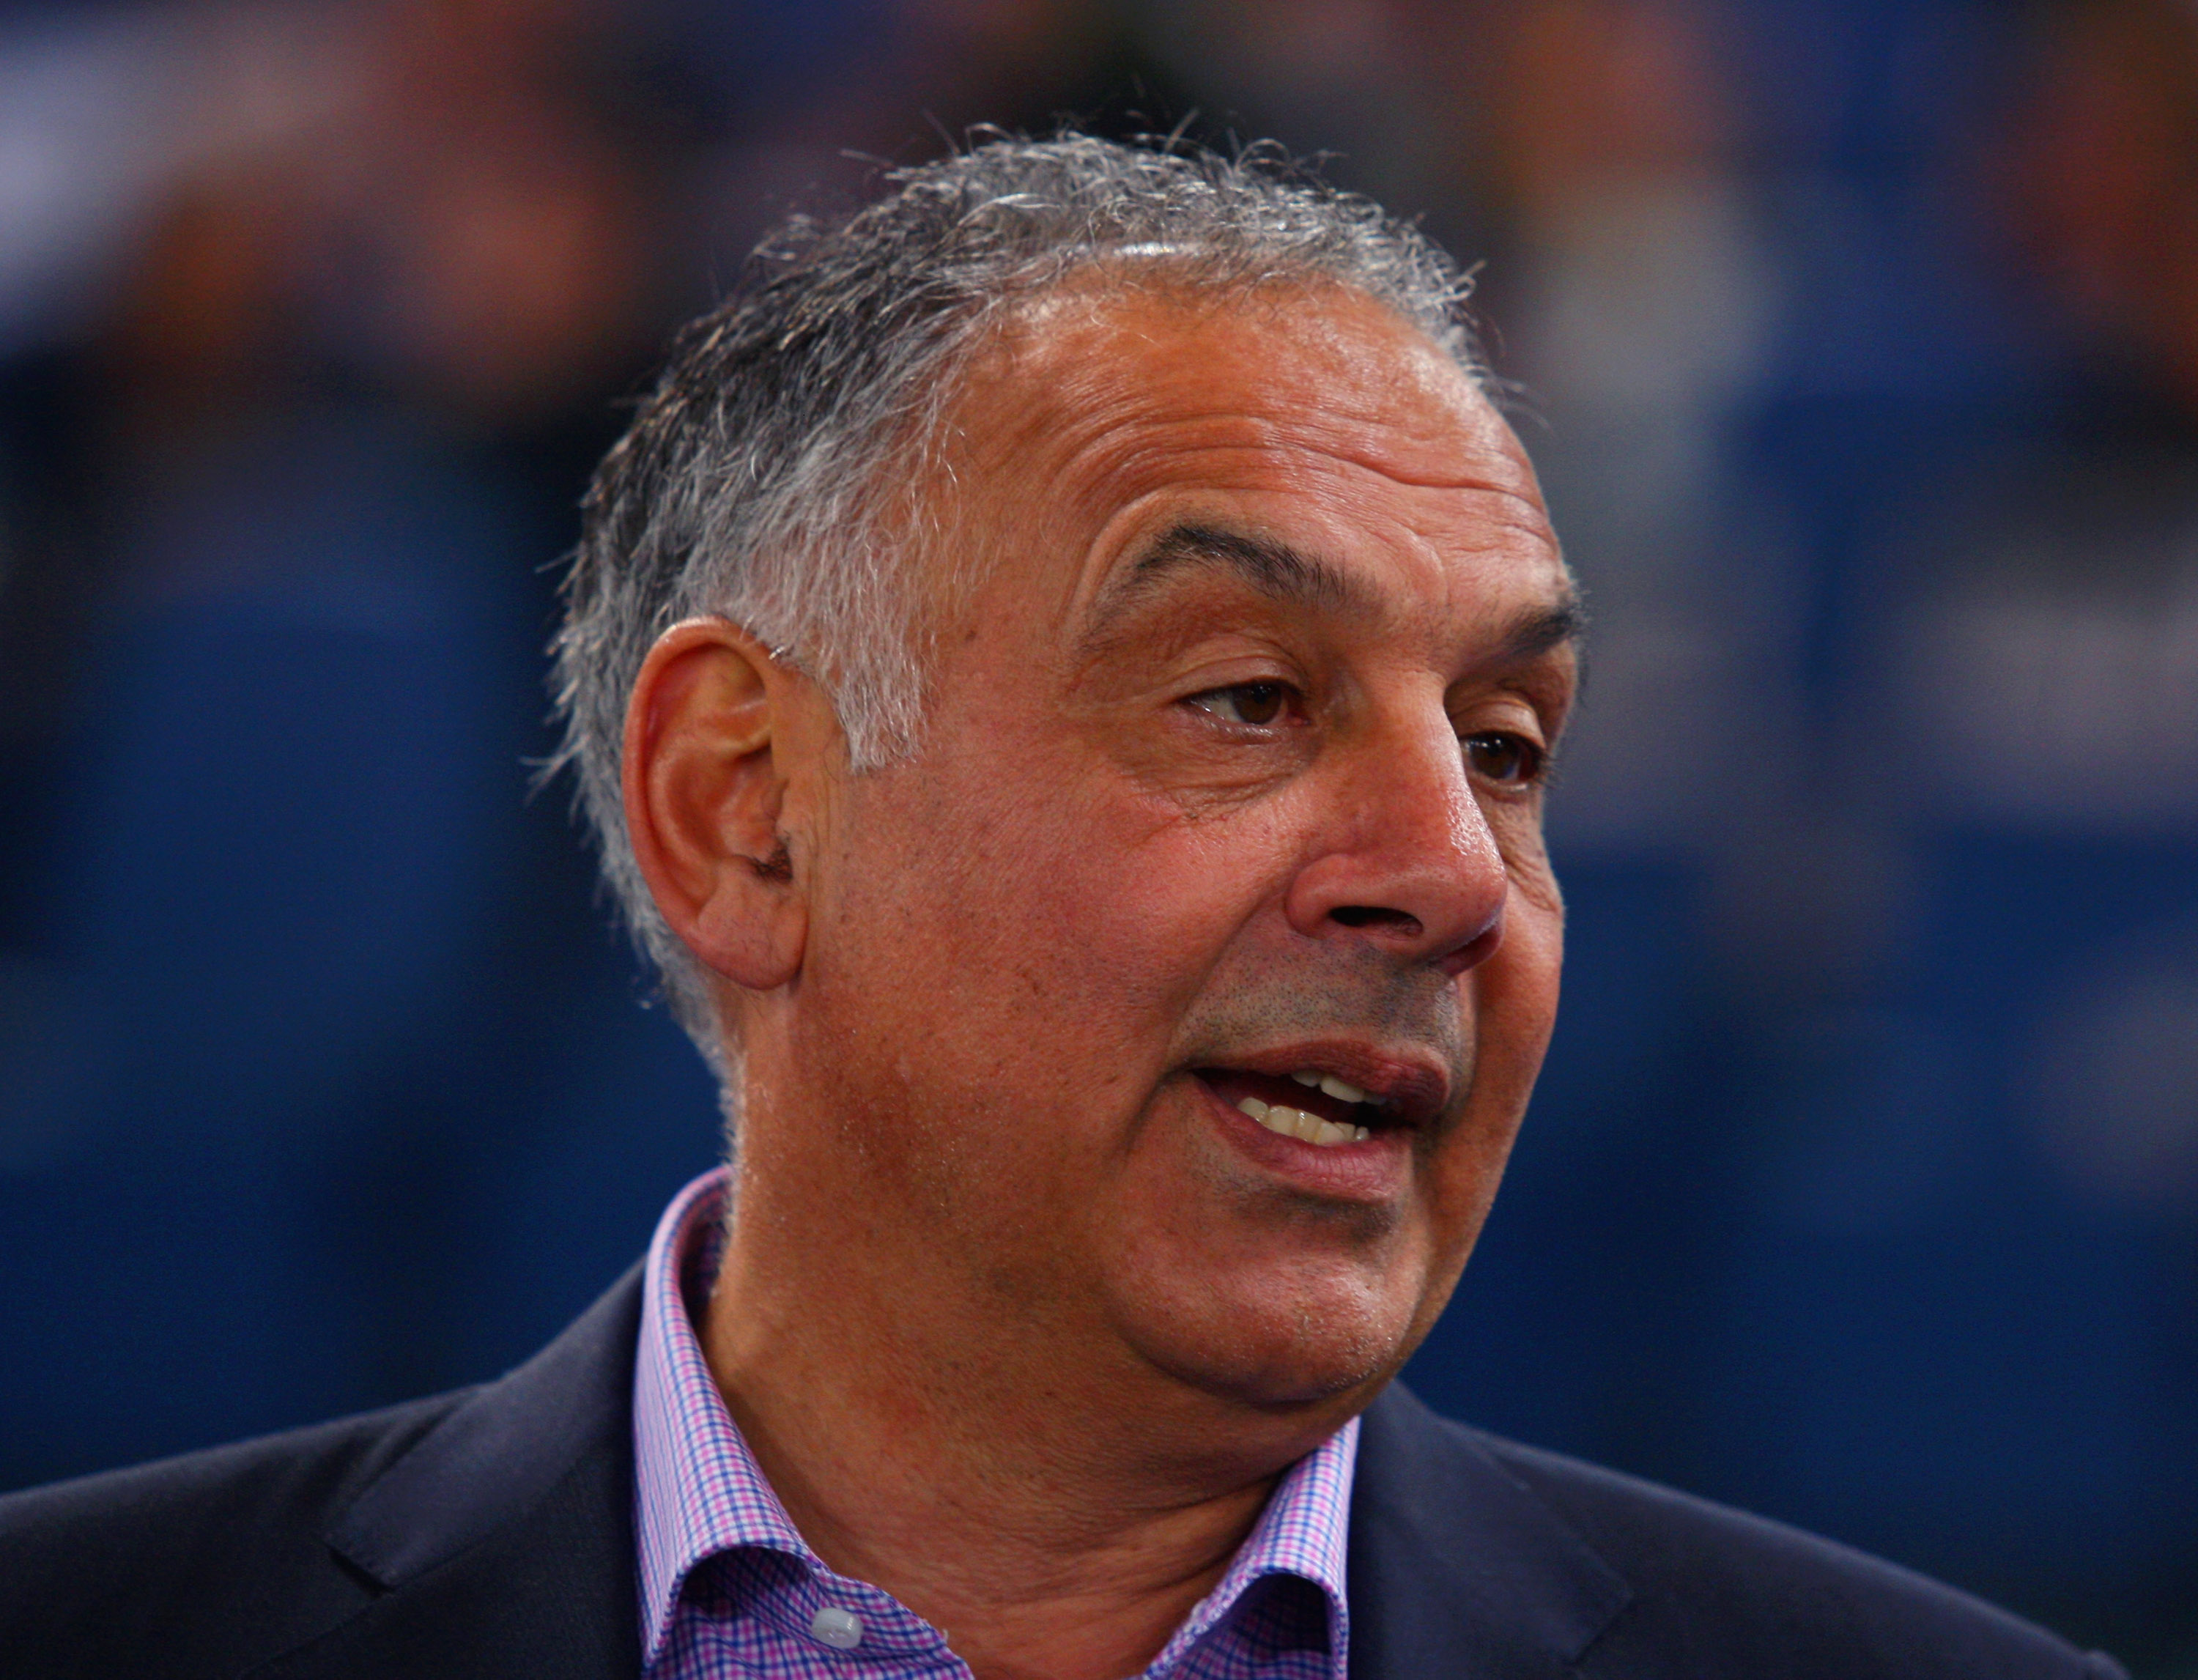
(1857, 342)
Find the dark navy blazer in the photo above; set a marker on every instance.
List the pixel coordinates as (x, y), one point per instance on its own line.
(490, 1533)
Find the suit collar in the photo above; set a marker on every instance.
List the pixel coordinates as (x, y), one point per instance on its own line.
(509, 1531)
(503, 1541)
(502, 1450)
(1455, 1568)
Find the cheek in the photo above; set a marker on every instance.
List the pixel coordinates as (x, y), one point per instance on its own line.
(1514, 1005)
(1515, 1002)
(1525, 987)
(1014, 947)
(1102, 909)
(996, 984)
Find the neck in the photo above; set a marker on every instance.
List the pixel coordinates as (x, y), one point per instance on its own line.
(1052, 1522)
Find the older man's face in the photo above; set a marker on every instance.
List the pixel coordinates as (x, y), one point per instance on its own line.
(1231, 784)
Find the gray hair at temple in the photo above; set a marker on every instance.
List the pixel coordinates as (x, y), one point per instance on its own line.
(772, 476)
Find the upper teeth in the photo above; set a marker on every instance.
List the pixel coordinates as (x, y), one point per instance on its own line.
(1296, 1122)
(1334, 1086)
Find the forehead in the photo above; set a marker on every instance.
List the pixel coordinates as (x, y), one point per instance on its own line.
(1307, 412)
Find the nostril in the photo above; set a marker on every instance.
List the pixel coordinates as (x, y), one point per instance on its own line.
(1374, 915)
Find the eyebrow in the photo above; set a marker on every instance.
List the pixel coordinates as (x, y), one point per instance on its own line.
(1542, 630)
(1274, 568)
(1288, 573)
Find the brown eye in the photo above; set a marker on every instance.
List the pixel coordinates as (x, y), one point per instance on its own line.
(1512, 760)
(1253, 704)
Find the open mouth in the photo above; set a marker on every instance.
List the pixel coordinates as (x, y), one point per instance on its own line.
(1312, 1105)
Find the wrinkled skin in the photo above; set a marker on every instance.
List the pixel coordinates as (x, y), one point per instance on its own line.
(1261, 797)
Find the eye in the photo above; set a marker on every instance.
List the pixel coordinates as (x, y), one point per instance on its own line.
(1507, 759)
(1252, 704)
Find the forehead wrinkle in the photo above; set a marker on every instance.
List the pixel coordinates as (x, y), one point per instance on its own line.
(1117, 442)
(1515, 484)
(1105, 409)
(1088, 408)
(1110, 458)
(1108, 464)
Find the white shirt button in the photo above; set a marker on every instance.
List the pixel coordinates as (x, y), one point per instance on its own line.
(842, 1630)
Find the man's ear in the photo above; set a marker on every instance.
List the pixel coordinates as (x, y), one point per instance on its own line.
(709, 731)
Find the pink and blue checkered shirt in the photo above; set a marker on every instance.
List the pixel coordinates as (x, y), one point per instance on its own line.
(728, 1588)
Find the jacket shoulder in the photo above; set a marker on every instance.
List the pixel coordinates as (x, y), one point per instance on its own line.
(1717, 1591)
(195, 1565)
(487, 1532)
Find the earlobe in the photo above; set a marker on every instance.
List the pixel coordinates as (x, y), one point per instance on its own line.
(709, 758)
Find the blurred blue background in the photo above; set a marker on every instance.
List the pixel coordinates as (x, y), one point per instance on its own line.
(1857, 344)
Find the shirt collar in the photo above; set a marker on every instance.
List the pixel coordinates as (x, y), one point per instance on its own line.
(699, 1492)
(1304, 1531)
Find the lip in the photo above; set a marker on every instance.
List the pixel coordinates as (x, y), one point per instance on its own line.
(1415, 1088)
(1375, 1171)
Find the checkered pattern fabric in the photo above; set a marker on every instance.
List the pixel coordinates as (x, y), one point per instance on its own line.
(728, 1588)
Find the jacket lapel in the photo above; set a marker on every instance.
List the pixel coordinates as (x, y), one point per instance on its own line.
(502, 1544)
(1456, 1569)
(503, 1541)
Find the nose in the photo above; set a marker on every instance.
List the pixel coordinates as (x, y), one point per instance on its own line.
(1406, 860)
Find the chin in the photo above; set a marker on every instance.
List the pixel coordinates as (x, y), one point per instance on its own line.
(1275, 1348)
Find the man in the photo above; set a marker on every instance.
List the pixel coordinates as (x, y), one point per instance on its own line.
(1063, 670)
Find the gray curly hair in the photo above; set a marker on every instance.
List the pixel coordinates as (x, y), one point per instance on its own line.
(771, 477)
